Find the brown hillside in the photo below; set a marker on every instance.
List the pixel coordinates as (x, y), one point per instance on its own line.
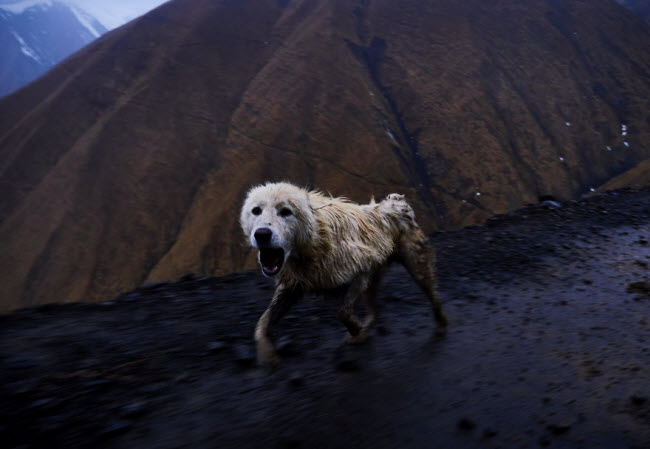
(637, 177)
(128, 162)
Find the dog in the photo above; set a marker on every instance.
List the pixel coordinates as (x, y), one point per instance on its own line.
(310, 242)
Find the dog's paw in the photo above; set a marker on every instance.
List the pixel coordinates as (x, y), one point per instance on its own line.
(356, 339)
(270, 362)
(266, 356)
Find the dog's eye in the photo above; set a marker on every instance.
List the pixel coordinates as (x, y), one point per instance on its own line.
(285, 212)
(257, 210)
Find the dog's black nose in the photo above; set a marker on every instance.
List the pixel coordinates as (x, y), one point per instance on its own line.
(263, 236)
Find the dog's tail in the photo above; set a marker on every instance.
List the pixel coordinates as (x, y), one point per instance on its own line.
(395, 206)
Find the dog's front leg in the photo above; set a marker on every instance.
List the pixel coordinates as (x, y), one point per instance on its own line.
(283, 299)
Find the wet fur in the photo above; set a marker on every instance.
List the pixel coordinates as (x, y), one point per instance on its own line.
(332, 243)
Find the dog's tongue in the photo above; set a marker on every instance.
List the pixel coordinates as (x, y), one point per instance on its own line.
(271, 260)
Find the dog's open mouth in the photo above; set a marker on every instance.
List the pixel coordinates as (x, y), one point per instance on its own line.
(271, 260)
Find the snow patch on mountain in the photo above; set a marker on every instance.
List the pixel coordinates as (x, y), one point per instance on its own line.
(25, 49)
(85, 20)
(18, 7)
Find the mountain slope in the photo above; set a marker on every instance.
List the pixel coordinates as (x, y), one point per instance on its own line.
(129, 161)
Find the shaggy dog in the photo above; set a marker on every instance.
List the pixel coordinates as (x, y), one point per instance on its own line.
(310, 242)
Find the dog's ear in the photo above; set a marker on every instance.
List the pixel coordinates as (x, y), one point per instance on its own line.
(372, 200)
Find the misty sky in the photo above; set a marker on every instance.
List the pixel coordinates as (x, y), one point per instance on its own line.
(123, 8)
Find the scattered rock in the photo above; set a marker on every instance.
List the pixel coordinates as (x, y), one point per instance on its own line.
(466, 424)
(41, 402)
(558, 429)
(549, 204)
(96, 384)
(641, 289)
(117, 427)
(134, 409)
(244, 355)
(217, 346)
(296, 380)
(187, 277)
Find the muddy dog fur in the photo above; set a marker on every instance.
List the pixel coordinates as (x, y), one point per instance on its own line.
(309, 241)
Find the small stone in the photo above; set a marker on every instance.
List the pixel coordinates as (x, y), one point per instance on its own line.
(41, 402)
(296, 380)
(638, 400)
(558, 429)
(551, 204)
(641, 289)
(96, 383)
(244, 355)
(217, 346)
(187, 277)
(466, 424)
(134, 409)
(116, 427)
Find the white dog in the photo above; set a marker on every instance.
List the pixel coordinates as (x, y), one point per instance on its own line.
(311, 242)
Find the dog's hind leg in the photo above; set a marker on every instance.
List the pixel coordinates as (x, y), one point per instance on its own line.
(371, 297)
(346, 313)
(283, 299)
(419, 259)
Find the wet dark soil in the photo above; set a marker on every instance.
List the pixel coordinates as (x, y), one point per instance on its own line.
(548, 346)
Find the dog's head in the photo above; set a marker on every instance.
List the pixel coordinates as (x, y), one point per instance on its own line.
(276, 219)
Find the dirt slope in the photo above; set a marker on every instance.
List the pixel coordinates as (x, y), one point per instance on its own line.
(548, 347)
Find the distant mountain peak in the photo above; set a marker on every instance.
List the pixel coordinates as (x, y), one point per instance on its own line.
(35, 35)
(19, 6)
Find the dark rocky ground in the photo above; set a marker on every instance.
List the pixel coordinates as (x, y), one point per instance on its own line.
(548, 347)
